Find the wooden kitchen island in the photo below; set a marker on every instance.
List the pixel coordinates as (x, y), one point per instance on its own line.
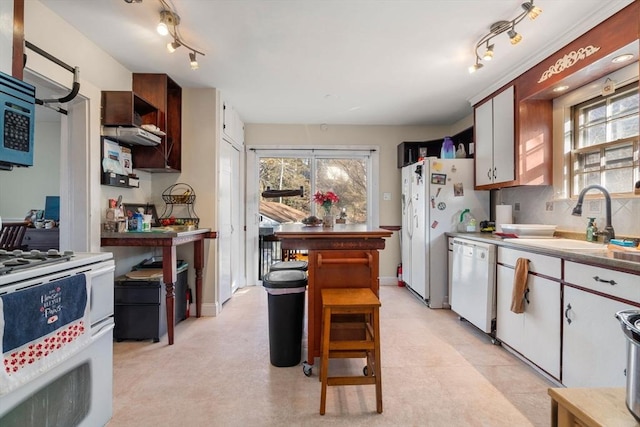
(344, 256)
(168, 240)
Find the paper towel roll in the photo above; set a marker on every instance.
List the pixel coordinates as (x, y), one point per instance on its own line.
(504, 215)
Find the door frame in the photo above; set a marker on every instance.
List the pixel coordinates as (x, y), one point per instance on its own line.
(252, 196)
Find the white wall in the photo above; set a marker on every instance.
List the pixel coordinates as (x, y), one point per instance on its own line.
(386, 138)
(6, 35)
(25, 188)
(98, 71)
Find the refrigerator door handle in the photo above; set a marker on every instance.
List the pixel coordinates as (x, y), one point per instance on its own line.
(410, 217)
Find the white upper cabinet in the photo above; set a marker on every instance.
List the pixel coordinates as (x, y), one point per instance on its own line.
(232, 125)
(495, 144)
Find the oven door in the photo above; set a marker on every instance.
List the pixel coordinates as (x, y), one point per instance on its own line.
(78, 392)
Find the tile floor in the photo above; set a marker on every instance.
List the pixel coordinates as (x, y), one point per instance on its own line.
(436, 371)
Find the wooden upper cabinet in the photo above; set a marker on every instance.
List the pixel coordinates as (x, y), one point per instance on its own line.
(125, 108)
(161, 91)
(534, 95)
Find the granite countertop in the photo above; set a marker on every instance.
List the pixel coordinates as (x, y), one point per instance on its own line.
(604, 259)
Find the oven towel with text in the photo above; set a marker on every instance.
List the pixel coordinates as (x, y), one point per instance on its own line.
(41, 327)
(519, 285)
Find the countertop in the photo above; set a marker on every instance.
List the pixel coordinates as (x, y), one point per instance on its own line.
(603, 259)
(159, 232)
(338, 231)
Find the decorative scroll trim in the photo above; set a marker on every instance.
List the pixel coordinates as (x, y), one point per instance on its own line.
(567, 61)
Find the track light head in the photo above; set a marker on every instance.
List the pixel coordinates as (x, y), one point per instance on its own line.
(531, 10)
(475, 67)
(488, 54)
(172, 46)
(514, 36)
(193, 61)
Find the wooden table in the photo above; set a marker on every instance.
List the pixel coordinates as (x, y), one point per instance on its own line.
(343, 256)
(590, 407)
(168, 240)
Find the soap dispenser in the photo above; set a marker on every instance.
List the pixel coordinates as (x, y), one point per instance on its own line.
(592, 230)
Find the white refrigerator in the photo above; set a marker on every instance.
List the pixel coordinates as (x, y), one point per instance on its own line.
(435, 192)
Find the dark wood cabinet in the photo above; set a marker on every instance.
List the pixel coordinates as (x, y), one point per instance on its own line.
(126, 108)
(42, 239)
(410, 151)
(161, 91)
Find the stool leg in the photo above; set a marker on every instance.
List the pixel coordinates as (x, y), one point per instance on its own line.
(378, 367)
(324, 361)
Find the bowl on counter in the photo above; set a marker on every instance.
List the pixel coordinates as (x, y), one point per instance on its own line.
(530, 230)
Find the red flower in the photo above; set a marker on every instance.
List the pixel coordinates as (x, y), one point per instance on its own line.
(326, 200)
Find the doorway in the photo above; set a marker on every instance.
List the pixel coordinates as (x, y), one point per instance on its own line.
(346, 171)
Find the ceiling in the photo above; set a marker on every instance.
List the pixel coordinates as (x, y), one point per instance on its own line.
(373, 62)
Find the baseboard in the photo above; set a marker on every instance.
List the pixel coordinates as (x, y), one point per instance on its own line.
(388, 281)
(207, 310)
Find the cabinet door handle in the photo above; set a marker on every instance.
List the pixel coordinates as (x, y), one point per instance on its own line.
(526, 296)
(598, 279)
(489, 173)
(566, 314)
(494, 172)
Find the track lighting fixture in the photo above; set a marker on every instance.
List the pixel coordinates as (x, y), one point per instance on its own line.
(499, 27)
(168, 25)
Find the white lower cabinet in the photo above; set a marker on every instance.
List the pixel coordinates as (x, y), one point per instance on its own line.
(535, 334)
(594, 352)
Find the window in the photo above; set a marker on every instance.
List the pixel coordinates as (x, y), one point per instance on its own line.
(345, 173)
(605, 148)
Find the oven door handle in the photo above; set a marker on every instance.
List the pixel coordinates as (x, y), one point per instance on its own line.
(101, 328)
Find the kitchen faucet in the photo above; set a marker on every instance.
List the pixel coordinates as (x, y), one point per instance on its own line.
(608, 232)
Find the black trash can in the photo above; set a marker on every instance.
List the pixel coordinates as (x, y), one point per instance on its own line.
(286, 292)
(289, 265)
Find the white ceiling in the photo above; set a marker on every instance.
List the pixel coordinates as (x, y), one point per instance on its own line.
(396, 62)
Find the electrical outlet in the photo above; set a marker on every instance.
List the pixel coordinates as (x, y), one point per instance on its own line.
(386, 196)
(516, 206)
(549, 206)
(594, 206)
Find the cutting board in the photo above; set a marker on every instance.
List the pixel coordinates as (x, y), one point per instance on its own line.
(626, 253)
(147, 273)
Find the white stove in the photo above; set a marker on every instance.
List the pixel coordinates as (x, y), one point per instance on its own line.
(16, 266)
(47, 296)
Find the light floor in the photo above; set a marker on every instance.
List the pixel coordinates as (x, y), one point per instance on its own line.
(436, 371)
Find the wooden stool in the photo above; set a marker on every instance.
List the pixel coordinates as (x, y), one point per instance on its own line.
(350, 329)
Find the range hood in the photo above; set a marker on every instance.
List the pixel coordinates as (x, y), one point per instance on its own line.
(131, 135)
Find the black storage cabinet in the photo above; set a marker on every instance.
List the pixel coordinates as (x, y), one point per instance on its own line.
(286, 294)
(140, 306)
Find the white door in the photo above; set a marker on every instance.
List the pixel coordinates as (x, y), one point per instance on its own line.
(594, 350)
(229, 236)
(407, 209)
(484, 143)
(419, 252)
(503, 136)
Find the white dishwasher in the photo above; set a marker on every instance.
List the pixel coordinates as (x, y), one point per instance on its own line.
(473, 282)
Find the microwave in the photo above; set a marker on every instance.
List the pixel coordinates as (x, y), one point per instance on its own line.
(17, 120)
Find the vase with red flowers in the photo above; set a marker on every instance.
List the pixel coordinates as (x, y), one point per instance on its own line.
(326, 201)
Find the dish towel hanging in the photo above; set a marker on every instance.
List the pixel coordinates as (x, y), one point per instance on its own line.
(519, 285)
(42, 326)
